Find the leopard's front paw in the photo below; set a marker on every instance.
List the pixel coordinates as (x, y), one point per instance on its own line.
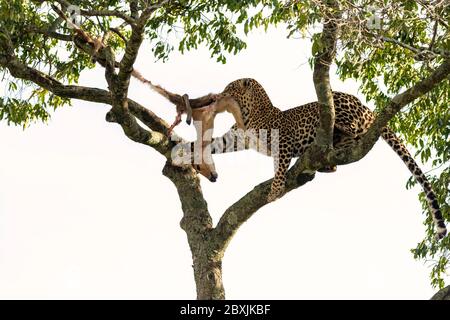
(274, 195)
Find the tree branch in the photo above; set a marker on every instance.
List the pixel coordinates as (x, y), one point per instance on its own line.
(443, 294)
(176, 99)
(321, 76)
(157, 139)
(108, 13)
(195, 207)
(433, 14)
(148, 11)
(419, 89)
(101, 13)
(120, 88)
(421, 51)
(131, 51)
(244, 208)
(358, 150)
(49, 33)
(134, 9)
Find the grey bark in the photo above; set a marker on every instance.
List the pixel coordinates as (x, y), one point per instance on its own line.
(443, 294)
(321, 75)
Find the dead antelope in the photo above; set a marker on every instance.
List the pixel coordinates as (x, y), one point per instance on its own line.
(204, 124)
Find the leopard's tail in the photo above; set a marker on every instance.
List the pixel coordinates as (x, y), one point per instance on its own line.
(397, 145)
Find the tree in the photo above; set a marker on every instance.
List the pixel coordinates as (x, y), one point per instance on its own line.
(398, 52)
(443, 294)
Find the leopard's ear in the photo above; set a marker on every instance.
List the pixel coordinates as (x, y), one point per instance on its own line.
(246, 83)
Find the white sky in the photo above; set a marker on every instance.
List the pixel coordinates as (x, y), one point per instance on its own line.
(86, 213)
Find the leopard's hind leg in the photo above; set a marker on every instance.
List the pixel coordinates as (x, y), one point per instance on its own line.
(352, 120)
(340, 140)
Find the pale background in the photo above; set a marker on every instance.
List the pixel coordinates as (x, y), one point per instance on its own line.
(86, 213)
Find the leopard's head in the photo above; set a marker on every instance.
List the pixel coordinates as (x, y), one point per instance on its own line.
(249, 94)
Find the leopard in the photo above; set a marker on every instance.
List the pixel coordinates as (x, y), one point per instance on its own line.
(296, 130)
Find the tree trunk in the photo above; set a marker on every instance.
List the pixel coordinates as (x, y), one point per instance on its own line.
(208, 276)
(197, 223)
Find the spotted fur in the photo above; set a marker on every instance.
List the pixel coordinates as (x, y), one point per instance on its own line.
(297, 131)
